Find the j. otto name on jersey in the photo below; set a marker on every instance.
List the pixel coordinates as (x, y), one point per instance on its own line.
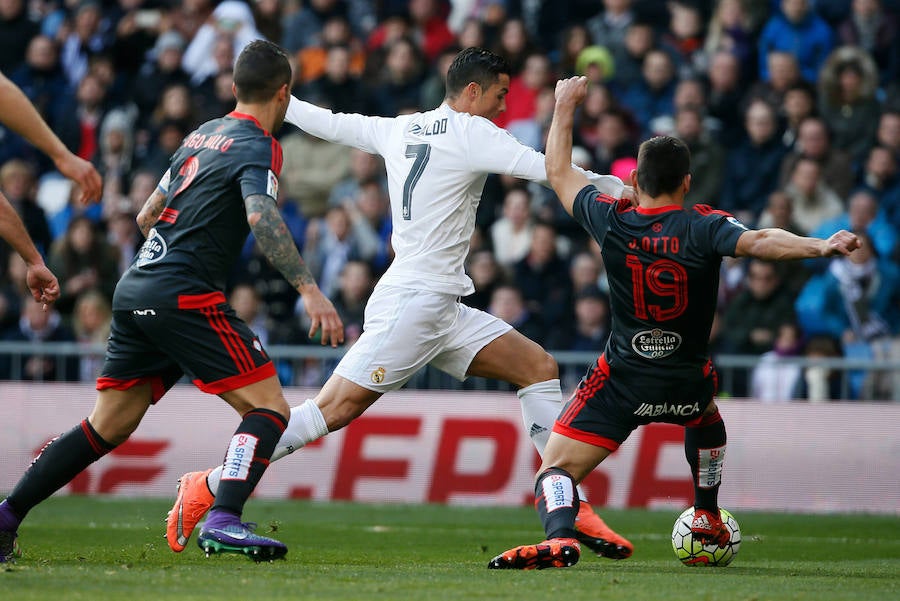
(655, 343)
(666, 409)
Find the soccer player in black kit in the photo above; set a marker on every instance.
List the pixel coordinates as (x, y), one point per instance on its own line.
(663, 263)
(170, 317)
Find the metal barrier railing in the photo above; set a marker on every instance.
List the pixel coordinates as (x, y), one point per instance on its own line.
(311, 366)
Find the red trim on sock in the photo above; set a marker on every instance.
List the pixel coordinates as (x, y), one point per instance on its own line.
(95, 444)
(279, 421)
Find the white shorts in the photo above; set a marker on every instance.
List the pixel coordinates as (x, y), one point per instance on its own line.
(407, 329)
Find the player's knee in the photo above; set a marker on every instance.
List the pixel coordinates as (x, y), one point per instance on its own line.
(339, 414)
(545, 367)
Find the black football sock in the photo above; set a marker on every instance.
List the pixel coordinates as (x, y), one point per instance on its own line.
(58, 463)
(248, 457)
(704, 448)
(556, 502)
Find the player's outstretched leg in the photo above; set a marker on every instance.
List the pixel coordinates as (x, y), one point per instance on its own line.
(193, 501)
(551, 553)
(223, 532)
(594, 534)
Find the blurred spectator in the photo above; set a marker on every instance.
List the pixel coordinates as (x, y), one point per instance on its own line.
(774, 380)
(543, 277)
(609, 27)
(784, 73)
(339, 86)
(188, 16)
(684, 37)
(134, 29)
(91, 321)
(751, 169)
(330, 243)
(355, 287)
(880, 176)
(614, 139)
(312, 167)
(304, 27)
(574, 40)
(856, 299)
(590, 329)
(587, 119)
(628, 60)
(312, 61)
(752, 319)
(370, 214)
(215, 98)
(269, 16)
(812, 200)
(847, 99)
(12, 290)
(364, 167)
(248, 306)
(83, 260)
(160, 72)
(37, 325)
(863, 215)
(508, 304)
(798, 105)
(511, 234)
(430, 30)
(115, 155)
(875, 31)
(515, 45)
(486, 275)
(779, 212)
(16, 30)
(654, 93)
(169, 134)
(434, 86)
(397, 87)
(707, 157)
(18, 185)
(78, 125)
(724, 97)
(796, 29)
(231, 19)
(730, 31)
(40, 76)
(819, 383)
(84, 39)
(521, 103)
(813, 143)
(888, 134)
(123, 234)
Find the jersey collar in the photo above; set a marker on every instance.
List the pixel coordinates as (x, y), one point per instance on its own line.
(657, 210)
(238, 115)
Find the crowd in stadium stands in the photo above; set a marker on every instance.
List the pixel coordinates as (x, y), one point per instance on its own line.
(791, 110)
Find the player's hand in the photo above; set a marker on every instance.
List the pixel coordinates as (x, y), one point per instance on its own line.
(323, 315)
(629, 193)
(571, 91)
(84, 175)
(42, 283)
(841, 243)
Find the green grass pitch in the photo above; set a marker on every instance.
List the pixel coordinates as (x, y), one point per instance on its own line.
(84, 548)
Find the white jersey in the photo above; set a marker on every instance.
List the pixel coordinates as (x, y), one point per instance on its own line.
(437, 163)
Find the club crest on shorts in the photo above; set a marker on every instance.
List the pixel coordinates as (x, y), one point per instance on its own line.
(378, 375)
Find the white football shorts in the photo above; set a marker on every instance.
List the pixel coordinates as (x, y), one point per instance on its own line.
(407, 329)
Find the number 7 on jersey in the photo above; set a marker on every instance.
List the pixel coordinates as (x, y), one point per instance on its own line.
(421, 152)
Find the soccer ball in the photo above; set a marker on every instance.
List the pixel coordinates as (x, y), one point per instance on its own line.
(693, 553)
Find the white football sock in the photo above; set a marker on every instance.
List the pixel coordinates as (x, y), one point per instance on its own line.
(305, 425)
(541, 404)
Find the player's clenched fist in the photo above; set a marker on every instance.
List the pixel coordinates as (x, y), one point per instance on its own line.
(573, 90)
(841, 243)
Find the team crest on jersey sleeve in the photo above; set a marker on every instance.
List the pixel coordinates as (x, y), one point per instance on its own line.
(152, 250)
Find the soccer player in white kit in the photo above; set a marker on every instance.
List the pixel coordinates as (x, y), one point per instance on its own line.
(437, 163)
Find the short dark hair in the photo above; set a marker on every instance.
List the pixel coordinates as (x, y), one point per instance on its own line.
(475, 64)
(662, 163)
(260, 71)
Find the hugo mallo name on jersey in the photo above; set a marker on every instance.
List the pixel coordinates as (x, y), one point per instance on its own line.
(437, 163)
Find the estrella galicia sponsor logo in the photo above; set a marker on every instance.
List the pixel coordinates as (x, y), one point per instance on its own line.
(152, 250)
(667, 409)
(655, 343)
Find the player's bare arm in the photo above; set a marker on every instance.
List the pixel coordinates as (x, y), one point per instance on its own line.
(276, 242)
(40, 281)
(151, 211)
(17, 112)
(566, 180)
(774, 244)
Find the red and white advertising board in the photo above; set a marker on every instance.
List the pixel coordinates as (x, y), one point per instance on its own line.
(470, 448)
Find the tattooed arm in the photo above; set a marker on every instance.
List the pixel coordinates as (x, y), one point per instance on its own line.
(276, 242)
(150, 211)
